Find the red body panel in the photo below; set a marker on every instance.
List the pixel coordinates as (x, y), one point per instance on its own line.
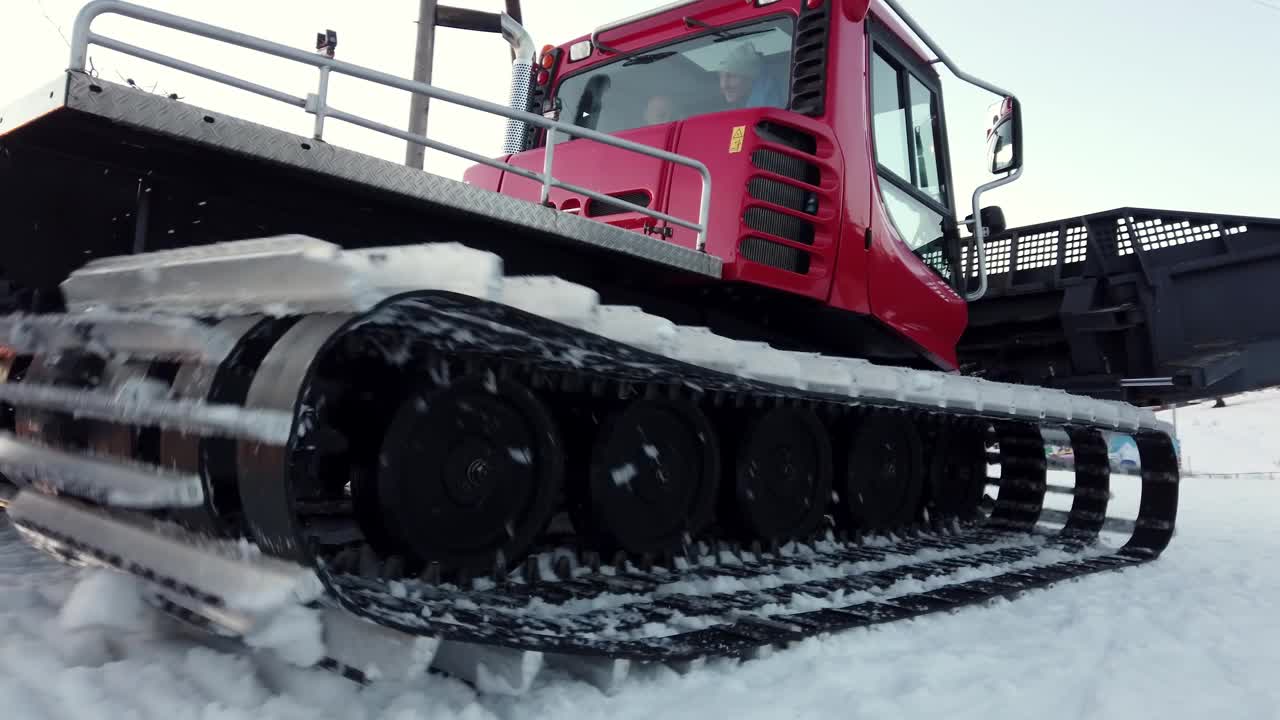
(901, 290)
(848, 116)
(669, 26)
(709, 138)
(601, 168)
(483, 176)
(883, 279)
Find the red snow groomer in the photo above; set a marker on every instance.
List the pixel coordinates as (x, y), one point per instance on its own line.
(672, 378)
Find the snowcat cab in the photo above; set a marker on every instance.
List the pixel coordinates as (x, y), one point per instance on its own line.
(830, 176)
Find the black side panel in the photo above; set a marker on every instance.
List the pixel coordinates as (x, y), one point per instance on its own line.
(74, 186)
(55, 216)
(1132, 294)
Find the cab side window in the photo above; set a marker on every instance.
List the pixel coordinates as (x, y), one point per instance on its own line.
(907, 128)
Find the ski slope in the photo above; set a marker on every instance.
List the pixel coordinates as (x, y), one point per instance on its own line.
(1238, 441)
(1192, 635)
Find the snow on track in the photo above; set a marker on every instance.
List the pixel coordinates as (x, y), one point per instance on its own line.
(1192, 635)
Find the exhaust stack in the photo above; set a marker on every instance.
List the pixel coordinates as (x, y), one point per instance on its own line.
(522, 47)
(523, 53)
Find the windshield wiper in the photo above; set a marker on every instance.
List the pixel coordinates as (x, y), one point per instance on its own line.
(648, 58)
(722, 35)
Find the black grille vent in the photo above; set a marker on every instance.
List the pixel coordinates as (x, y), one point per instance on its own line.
(783, 135)
(774, 254)
(809, 64)
(776, 223)
(792, 167)
(597, 208)
(780, 193)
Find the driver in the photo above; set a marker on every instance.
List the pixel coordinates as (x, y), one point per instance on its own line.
(741, 84)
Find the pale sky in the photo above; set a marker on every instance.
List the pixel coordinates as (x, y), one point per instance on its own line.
(1150, 103)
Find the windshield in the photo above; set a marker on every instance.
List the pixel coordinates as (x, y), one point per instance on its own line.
(743, 66)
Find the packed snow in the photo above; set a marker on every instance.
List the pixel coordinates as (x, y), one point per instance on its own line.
(1192, 635)
(1239, 438)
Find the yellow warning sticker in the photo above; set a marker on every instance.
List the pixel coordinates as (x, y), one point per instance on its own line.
(735, 140)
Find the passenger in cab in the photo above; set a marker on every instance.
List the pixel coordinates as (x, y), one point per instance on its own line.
(660, 109)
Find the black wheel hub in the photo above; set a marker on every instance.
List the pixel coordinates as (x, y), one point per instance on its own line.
(958, 472)
(782, 476)
(883, 475)
(470, 472)
(652, 478)
(470, 475)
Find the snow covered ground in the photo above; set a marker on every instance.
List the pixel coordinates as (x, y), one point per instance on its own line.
(1239, 441)
(1193, 635)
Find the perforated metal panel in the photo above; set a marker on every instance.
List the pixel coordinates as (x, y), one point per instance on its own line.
(1077, 244)
(1038, 250)
(1116, 234)
(1156, 233)
(937, 259)
(517, 135)
(998, 254)
(1086, 302)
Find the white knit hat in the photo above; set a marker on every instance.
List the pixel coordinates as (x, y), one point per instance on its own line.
(744, 60)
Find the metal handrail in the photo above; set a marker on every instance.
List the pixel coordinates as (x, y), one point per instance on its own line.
(317, 103)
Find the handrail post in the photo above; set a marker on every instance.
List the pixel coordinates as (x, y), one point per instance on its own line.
(319, 103)
(704, 210)
(547, 179)
(80, 33)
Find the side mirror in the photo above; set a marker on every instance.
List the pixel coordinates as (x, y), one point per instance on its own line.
(1004, 137)
(993, 222)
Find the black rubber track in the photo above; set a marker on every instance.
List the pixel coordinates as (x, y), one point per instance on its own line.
(549, 357)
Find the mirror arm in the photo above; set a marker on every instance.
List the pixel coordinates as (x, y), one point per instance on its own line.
(942, 55)
(979, 247)
(979, 232)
